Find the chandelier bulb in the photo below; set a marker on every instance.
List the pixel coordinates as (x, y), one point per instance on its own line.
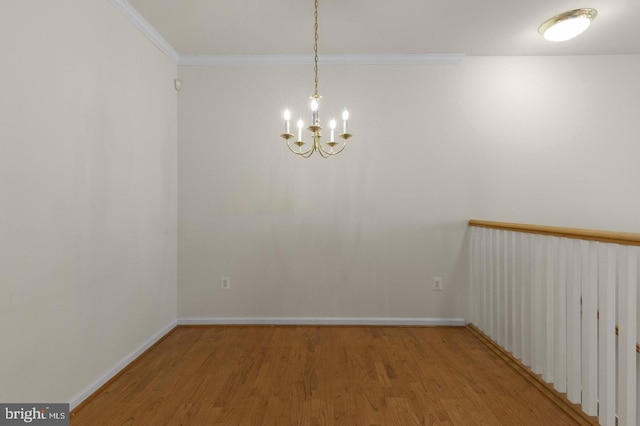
(300, 126)
(314, 112)
(287, 117)
(345, 117)
(332, 125)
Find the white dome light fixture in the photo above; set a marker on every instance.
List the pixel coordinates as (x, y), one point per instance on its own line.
(567, 25)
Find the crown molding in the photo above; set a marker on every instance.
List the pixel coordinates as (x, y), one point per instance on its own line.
(146, 28)
(363, 59)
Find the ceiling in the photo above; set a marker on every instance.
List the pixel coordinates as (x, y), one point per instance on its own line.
(471, 27)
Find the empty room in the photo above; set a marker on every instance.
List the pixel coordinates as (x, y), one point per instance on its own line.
(319, 212)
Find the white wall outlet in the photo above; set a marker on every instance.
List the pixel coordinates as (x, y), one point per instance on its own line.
(225, 283)
(437, 283)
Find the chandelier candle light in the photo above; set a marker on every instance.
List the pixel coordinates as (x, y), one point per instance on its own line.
(315, 128)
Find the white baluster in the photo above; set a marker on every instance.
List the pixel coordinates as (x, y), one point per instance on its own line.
(627, 357)
(560, 305)
(574, 359)
(499, 287)
(484, 322)
(471, 290)
(549, 285)
(537, 302)
(515, 293)
(638, 340)
(607, 334)
(507, 289)
(491, 282)
(589, 283)
(525, 299)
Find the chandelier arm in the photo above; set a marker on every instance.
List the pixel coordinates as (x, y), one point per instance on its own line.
(299, 153)
(341, 149)
(322, 152)
(308, 153)
(344, 144)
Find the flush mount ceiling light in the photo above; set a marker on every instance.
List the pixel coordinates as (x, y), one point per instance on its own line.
(567, 25)
(315, 128)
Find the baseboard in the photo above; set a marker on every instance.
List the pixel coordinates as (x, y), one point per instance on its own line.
(548, 390)
(460, 322)
(127, 361)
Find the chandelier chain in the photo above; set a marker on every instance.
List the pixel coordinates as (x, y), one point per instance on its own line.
(315, 50)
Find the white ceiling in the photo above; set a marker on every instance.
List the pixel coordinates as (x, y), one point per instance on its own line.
(471, 27)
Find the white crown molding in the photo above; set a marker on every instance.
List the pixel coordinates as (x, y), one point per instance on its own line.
(323, 321)
(146, 28)
(89, 390)
(365, 59)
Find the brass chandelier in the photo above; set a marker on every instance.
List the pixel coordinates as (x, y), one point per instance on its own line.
(315, 128)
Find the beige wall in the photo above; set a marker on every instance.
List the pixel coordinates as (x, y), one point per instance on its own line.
(358, 235)
(88, 127)
(555, 140)
(547, 140)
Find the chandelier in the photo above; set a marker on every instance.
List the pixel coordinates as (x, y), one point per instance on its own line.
(315, 128)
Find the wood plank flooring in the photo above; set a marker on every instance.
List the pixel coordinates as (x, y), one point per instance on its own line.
(312, 375)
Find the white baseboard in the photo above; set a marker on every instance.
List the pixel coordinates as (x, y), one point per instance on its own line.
(88, 391)
(322, 321)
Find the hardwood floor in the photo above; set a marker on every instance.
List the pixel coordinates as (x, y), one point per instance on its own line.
(310, 375)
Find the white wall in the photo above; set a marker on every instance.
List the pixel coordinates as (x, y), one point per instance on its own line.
(555, 140)
(358, 235)
(88, 128)
(546, 140)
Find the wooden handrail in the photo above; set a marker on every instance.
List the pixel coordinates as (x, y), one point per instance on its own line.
(624, 238)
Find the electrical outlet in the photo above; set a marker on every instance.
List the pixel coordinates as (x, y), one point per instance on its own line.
(437, 283)
(225, 283)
